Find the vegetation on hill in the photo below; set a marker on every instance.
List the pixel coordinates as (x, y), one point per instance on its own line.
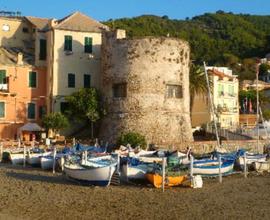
(219, 39)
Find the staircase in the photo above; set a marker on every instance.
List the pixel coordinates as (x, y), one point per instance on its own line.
(115, 181)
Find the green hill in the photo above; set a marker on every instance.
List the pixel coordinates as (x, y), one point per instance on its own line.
(219, 39)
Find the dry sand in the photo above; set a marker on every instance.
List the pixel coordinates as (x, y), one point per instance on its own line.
(35, 194)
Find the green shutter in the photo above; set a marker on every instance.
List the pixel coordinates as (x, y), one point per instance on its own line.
(88, 44)
(2, 76)
(32, 79)
(42, 111)
(43, 49)
(68, 43)
(87, 81)
(71, 80)
(31, 113)
(2, 109)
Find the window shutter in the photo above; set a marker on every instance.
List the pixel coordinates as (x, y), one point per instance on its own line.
(31, 110)
(2, 76)
(71, 80)
(87, 81)
(68, 43)
(88, 42)
(2, 109)
(32, 79)
(43, 49)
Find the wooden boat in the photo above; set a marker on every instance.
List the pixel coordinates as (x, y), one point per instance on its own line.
(33, 159)
(208, 168)
(251, 158)
(262, 166)
(99, 176)
(134, 172)
(16, 158)
(156, 180)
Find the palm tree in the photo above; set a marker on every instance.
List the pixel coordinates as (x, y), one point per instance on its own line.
(197, 83)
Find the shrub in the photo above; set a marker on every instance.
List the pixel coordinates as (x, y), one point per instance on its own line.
(132, 138)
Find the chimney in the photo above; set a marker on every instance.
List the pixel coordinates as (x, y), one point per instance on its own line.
(52, 23)
(120, 34)
(20, 58)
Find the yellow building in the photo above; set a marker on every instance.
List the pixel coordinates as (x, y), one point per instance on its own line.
(74, 56)
(225, 88)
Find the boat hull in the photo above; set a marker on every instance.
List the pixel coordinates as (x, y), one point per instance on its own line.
(93, 176)
(262, 166)
(156, 180)
(16, 158)
(135, 172)
(213, 169)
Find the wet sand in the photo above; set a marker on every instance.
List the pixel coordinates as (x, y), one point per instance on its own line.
(35, 194)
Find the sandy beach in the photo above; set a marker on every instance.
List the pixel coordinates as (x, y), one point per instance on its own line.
(34, 194)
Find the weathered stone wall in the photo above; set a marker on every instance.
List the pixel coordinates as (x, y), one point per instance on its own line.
(201, 147)
(147, 66)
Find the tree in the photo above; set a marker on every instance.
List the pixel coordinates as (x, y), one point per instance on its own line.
(84, 105)
(264, 68)
(132, 138)
(197, 83)
(55, 121)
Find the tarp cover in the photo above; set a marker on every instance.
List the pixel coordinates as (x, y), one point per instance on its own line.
(30, 127)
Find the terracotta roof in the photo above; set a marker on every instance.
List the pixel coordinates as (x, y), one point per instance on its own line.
(9, 56)
(80, 22)
(219, 74)
(40, 23)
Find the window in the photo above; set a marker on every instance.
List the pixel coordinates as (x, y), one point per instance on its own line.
(87, 81)
(63, 107)
(31, 111)
(220, 89)
(120, 90)
(42, 49)
(68, 43)
(32, 79)
(71, 80)
(3, 78)
(88, 42)
(2, 109)
(42, 111)
(174, 91)
(231, 90)
(25, 30)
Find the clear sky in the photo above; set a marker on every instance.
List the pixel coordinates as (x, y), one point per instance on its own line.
(106, 9)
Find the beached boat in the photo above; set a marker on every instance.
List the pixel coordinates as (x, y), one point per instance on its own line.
(262, 166)
(99, 176)
(251, 158)
(211, 168)
(33, 158)
(156, 180)
(16, 158)
(134, 172)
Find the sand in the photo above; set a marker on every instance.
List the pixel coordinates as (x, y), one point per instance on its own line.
(35, 194)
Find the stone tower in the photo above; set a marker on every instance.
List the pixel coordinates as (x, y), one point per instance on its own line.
(145, 85)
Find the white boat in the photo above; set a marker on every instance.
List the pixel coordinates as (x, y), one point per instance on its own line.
(212, 168)
(16, 158)
(33, 159)
(262, 166)
(135, 172)
(99, 176)
(251, 158)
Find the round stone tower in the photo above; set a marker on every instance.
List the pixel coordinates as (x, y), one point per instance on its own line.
(145, 85)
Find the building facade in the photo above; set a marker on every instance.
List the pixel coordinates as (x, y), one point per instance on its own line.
(225, 88)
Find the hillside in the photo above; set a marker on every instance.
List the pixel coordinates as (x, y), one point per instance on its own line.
(219, 39)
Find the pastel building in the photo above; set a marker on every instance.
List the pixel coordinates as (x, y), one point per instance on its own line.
(74, 55)
(225, 88)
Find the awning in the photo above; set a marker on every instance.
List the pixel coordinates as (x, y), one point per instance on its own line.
(30, 127)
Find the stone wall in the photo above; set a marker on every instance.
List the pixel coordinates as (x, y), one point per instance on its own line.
(201, 147)
(147, 67)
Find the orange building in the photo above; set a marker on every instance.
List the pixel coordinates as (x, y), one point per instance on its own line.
(22, 91)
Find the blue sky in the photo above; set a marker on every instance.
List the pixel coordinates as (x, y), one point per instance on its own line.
(106, 9)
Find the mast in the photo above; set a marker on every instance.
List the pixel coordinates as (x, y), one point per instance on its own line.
(212, 108)
(257, 101)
